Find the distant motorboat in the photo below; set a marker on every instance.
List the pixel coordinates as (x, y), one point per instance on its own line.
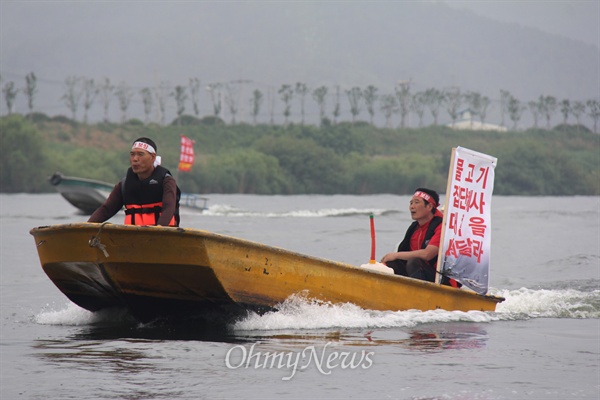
(89, 194)
(85, 194)
(194, 201)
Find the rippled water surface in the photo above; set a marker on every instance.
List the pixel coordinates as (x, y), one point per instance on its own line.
(543, 342)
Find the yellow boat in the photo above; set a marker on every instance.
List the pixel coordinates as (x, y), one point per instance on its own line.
(165, 271)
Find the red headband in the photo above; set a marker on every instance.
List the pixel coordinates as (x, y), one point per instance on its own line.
(426, 197)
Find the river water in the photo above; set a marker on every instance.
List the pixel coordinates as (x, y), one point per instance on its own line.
(543, 342)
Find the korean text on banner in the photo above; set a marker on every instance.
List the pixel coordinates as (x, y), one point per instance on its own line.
(465, 254)
(186, 157)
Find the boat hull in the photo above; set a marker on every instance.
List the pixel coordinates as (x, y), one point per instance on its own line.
(166, 271)
(85, 194)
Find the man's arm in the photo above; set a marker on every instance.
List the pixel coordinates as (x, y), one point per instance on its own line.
(111, 206)
(169, 201)
(428, 253)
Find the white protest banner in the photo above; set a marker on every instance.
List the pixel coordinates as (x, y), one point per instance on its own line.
(466, 236)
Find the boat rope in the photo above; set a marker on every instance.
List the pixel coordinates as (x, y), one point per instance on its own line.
(95, 241)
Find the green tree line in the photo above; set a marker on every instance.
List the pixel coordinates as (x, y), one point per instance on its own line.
(343, 158)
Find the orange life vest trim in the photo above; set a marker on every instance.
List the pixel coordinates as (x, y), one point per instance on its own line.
(146, 214)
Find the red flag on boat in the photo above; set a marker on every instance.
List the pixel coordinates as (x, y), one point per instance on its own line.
(186, 157)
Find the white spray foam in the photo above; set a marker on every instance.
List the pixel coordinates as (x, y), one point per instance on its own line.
(74, 315)
(564, 303)
(229, 211)
(300, 312)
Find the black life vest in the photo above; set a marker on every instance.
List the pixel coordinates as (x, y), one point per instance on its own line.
(143, 199)
(405, 246)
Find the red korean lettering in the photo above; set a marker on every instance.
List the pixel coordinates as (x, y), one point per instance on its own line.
(475, 200)
(459, 197)
(477, 249)
(451, 251)
(483, 175)
(463, 247)
(478, 226)
(454, 224)
(459, 169)
(470, 173)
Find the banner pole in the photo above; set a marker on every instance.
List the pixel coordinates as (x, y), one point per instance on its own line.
(438, 268)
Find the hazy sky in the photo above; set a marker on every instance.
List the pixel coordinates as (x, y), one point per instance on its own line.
(144, 42)
(575, 19)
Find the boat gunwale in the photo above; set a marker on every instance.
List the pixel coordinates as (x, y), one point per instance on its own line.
(71, 179)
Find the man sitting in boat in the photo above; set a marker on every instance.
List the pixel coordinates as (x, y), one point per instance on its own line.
(418, 252)
(148, 192)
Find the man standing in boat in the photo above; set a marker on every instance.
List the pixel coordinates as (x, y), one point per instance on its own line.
(149, 192)
(418, 252)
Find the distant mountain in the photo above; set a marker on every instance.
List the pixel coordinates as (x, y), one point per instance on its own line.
(353, 44)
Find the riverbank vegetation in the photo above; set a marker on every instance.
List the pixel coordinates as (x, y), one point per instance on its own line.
(343, 158)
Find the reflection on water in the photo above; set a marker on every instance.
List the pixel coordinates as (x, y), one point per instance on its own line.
(93, 355)
(450, 337)
(120, 369)
(195, 330)
(427, 337)
(133, 354)
(124, 359)
(435, 337)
